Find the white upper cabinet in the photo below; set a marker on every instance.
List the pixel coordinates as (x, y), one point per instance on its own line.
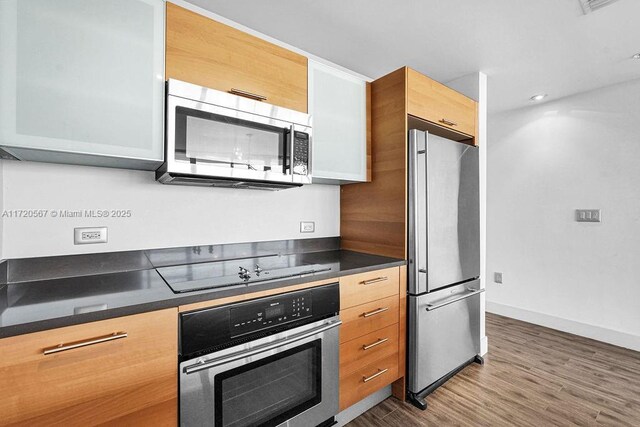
(338, 104)
(82, 81)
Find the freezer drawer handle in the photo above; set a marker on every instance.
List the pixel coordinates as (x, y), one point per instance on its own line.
(374, 312)
(62, 347)
(372, 281)
(375, 344)
(471, 293)
(374, 376)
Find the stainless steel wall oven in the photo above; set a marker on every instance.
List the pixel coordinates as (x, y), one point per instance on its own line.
(272, 361)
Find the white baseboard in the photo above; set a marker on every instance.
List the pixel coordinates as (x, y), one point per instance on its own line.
(610, 336)
(357, 409)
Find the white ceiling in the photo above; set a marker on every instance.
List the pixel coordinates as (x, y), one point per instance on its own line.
(524, 46)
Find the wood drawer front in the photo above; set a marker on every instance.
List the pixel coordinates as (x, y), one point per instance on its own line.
(368, 348)
(205, 52)
(435, 102)
(122, 381)
(374, 285)
(355, 324)
(353, 387)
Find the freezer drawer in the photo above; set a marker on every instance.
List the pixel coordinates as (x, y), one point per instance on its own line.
(444, 332)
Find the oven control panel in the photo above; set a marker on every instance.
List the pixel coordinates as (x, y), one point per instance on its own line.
(269, 312)
(300, 153)
(204, 331)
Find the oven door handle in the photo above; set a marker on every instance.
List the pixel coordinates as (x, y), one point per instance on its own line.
(243, 354)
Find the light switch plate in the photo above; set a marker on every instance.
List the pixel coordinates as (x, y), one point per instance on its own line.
(307, 226)
(89, 235)
(588, 215)
(497, 277)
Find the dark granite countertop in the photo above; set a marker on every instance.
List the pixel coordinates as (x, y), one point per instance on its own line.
(47, 303)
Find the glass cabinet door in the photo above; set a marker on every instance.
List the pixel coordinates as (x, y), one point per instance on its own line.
(338, 104)
(83, 79)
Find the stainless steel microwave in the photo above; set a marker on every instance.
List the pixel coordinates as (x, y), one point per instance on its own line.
(219, 139)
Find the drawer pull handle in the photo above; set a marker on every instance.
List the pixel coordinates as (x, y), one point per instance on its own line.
(448, 122)
(377, 343)
(374, 376)
(248, 94)
(374, 312)
(78, 344)
(372, 281)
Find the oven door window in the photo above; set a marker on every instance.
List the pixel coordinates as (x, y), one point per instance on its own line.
(271, 390)
(204, 137)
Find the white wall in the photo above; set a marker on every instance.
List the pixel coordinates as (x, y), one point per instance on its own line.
(162, 215)
(543, 163)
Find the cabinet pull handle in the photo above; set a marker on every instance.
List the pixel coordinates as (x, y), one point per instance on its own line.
(377, 343)
(372, 281)
(448, 122)
(374, 312)
(376, 375)
(248, 94)
(64, 347)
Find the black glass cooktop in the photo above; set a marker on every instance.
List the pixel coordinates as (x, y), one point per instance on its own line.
(218, 274)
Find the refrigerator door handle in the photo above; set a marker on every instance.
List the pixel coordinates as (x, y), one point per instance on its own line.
(457, 298)
(418, 210)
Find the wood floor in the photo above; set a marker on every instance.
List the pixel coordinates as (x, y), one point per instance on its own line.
(533, 376)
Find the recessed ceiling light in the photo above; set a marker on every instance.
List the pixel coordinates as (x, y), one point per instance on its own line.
(636, 56)
(539, 97)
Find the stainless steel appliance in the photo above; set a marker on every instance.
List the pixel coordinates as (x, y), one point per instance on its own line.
(444, 261)
(271, 361)
(220, 139)
(218, 274)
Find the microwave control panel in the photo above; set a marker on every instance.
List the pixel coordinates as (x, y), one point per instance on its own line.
(300, 153)
(269, 312)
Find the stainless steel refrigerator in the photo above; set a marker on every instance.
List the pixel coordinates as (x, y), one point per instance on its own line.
(444, 261)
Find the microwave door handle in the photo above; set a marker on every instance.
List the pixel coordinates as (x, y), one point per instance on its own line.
(244, 354)
(292, 141)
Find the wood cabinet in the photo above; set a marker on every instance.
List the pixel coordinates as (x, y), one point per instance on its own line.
(373, 215)
(368, 317)
(365, 380)
(372, 338)
(360, 288)
(205, 52)
(365, 349)
(83, 82)
(120, 371)
(338, 102)
(436, 103)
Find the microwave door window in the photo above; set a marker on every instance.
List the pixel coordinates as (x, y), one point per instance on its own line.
(231, 142)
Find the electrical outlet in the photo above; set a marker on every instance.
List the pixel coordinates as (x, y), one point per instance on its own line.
(307, 226)
(88, 235)
(497, 277)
